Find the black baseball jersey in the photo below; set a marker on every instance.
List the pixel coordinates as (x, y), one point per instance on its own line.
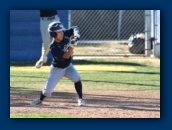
(59, 49)
(48, 13)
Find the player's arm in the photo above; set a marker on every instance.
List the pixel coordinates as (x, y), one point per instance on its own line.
(58, 54)
(68, 53)
(73, 31)
(68, 32)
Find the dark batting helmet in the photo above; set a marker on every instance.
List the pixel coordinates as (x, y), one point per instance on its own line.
(55, 27)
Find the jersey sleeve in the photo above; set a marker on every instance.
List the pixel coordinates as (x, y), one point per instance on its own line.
(68, 32)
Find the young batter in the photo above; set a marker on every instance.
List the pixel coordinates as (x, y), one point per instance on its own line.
(61, 49)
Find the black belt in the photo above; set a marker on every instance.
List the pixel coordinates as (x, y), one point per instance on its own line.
(48, 18)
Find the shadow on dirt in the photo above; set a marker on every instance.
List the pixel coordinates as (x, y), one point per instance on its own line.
(66, 100)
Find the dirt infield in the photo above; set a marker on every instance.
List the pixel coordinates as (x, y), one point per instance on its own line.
(109, 104)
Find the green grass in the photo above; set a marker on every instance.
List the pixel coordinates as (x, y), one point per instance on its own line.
(35, 115)
(144, 77)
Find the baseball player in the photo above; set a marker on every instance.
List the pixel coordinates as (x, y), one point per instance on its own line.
(61, 49)
(46, 17)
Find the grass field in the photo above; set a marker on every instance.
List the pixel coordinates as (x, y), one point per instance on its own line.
(98, 75)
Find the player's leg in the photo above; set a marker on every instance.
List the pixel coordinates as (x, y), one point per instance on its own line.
(55, 75)
(56, 18)
(72, 74)
(46, 40)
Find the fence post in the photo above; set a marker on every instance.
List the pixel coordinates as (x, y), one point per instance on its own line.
(119, 24)
(153, 28)
(157, 33)
(147, 32)
(69, 18)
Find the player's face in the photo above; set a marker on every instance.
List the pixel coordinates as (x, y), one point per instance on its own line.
(59, 36)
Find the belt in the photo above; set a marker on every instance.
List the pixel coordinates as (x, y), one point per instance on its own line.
(48, 18)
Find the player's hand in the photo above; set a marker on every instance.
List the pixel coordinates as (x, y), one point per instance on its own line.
(73, 42)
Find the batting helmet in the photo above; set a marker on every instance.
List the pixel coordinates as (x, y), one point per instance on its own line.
(55, 27)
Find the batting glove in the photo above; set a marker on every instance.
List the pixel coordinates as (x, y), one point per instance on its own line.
(74, 42)
(76, 32)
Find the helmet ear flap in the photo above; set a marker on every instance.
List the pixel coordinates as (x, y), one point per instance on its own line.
(53, 34)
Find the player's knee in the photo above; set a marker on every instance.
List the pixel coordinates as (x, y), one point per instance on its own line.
(76, 79)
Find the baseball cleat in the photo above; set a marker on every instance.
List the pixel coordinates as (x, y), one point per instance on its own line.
(81, 102)
(36, 102)
(39, 64)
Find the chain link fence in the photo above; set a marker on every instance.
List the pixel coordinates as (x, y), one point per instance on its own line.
(106, 32)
